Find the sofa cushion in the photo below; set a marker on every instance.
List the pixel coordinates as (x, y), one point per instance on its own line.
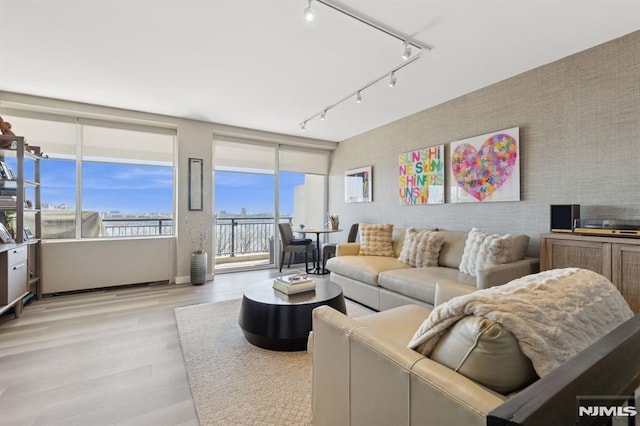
(397, 240)
(375, 240)
(482, 250)
(482, 350)
(364, 268)
(420, 283)
(421, 248)
(519, 245)
(452, 248)
(397, 324)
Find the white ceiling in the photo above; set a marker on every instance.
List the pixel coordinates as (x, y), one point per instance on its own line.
(259, 64)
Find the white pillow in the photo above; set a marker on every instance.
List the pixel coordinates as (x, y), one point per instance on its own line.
(495, 250)
(421, 248)
(475, 238)
(429, 244)
(407, 245)
(479, 255)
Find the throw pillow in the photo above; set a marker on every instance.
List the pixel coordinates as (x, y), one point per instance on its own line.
(407, 245)
(421, 248)
(475, 238)
(375, 240)
(495, 250)
(429, 244)
(485, 352)
(477, 255)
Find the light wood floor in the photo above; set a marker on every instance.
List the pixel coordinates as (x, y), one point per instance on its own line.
(104, 357)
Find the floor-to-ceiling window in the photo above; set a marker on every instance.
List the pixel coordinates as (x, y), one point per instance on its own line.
(303, 186)
(257, 185)
(244, 184)
(100, 178)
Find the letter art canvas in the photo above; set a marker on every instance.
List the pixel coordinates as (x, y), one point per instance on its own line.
(421, 176)
(486, 168)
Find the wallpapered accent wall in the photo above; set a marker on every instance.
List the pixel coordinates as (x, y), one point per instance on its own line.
(579, 121)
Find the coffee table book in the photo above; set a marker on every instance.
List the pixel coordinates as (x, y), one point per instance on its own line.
(294, 277)
(286, 288)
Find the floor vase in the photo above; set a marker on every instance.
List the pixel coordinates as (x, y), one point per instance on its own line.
(198, 267)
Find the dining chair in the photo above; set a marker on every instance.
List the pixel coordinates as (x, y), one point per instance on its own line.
(329, 249)
(295, 245)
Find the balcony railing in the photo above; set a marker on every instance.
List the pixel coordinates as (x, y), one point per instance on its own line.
(233, 235)
(245, 235)
(136, 227)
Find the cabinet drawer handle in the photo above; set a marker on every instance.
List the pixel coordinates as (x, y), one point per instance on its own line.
(15, 268)
(16, 251)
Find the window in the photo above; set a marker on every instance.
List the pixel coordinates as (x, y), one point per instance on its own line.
(117, 178)
(246, 196)
(303, 185)
(127, 181)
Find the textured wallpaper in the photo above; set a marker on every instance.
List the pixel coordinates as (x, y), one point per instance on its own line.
(579, 122)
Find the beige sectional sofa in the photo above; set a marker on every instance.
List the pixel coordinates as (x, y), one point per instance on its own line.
(364, 372)
(364, 360)
(384, 282)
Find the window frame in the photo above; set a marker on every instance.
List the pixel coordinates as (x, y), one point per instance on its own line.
(78, 158)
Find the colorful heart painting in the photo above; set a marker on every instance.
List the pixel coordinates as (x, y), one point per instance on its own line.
(481, 170)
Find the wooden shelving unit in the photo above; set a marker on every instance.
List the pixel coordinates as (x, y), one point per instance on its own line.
(21, 261)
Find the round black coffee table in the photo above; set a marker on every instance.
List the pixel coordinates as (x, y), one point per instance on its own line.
(273, 320)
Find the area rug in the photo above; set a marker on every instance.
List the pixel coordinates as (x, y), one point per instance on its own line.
(235, 383)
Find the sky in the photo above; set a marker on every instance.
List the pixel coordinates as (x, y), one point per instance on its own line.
(108, 187)
(254, 192)
(148, 189)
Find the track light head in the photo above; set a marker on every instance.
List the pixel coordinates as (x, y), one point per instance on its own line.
(407, 51)
(358, 97)
(308, 13)
(303, 126)
(323, 115)
(392, 79)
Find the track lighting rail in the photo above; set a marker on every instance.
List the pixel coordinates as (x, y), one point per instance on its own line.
(406, 55)
(358, 93)
(378, 26)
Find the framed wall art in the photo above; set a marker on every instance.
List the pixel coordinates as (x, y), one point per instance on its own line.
(358, 185)
(421, 176)
(486, 168)
(195, 183)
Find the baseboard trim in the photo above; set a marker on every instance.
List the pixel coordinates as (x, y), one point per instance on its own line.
(186, 279)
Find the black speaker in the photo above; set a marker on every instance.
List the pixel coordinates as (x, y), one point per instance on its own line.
(563, 217)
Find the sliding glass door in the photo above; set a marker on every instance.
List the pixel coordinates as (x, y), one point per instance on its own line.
(244, 183)
(256, 186)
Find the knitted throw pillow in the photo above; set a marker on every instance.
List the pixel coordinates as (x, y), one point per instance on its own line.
(495, 250)
(375, 240)
(406, 255)
(428, 248)
(421, 248)
(478, 255)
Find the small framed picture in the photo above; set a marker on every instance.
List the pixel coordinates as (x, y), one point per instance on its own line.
(5, 236)
(358, 185)
(27, 234)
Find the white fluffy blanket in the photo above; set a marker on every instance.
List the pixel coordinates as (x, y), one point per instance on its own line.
(554, 314)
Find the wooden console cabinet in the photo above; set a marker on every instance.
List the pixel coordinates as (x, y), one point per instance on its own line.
(616, 258)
